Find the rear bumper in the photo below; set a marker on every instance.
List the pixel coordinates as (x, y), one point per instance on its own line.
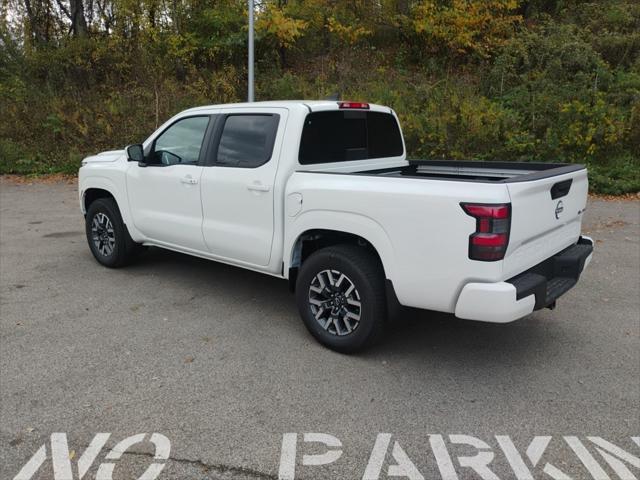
(534, 289)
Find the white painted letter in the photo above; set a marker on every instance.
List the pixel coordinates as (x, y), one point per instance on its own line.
(404, 467)
(90, 454)
(162, 450)
(60, 457)
(608, 450)
(587, 459)
(32, 466)
(535, 450)
(443, 459)
(287, 469)
(480, 462)
(378, 454)
(514, 458)
(325, 458)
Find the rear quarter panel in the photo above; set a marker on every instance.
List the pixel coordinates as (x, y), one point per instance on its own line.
(417, 225)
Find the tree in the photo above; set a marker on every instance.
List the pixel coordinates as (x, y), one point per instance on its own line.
(462, 26)
(76, 15)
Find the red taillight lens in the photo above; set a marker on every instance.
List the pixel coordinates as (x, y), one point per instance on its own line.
(491, 238)
(491, 211)
(354, 105)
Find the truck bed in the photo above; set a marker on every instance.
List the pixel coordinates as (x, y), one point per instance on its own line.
(475, 171)
(547, 201)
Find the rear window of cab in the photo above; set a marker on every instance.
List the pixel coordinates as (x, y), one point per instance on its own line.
(344, 135)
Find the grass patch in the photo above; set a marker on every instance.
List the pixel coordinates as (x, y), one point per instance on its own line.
(616, 177)
(15, 159)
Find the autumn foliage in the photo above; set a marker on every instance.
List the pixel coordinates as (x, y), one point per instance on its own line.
(539, 80)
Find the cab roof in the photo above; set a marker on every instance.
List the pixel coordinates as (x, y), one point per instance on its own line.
(310, 105)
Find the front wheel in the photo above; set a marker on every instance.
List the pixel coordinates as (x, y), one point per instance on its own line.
(341, 297)
(107, 234)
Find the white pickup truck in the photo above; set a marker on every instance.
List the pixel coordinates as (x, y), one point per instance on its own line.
(321, 193)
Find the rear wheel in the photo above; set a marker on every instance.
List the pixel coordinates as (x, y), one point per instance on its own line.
(107, 234)
(341, 297)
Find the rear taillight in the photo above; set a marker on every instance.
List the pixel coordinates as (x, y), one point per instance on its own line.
(353, 105)
(491, 238)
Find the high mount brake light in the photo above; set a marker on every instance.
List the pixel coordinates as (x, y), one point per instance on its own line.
(491, 238)
(353, 105)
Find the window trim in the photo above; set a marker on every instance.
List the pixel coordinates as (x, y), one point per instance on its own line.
(216, 136)
(204, 146)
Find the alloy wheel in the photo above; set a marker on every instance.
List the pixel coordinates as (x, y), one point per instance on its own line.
(335, 302)
(102, 234)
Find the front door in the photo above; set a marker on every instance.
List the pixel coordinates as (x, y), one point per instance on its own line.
(164, 192)
(238, 186)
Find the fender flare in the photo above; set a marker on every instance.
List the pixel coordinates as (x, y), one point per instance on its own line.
(344, 222)
(105, 183)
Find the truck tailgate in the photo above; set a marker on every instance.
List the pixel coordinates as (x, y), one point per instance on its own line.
(546, 217)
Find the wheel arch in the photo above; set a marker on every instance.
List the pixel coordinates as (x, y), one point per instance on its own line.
(316, 230)
(90, 195)
(95, 187)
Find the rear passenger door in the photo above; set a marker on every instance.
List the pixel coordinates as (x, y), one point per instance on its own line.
(238, 184)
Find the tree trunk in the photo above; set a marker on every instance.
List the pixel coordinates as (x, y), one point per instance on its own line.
(78, 20)
(36, 30)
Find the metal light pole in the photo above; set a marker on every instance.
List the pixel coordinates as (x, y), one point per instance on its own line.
(250, 66)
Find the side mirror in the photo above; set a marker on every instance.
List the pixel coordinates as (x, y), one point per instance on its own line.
(135, 153)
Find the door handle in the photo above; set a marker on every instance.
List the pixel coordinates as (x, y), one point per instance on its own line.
(258, 187)
(189, 180)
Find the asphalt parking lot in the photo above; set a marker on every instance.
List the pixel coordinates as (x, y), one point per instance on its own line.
(216, 359)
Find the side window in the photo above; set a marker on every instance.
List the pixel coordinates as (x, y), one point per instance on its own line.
(180, 143)
(247, 141)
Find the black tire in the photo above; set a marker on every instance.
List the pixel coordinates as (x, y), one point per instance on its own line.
(362, 270)
(124, 248)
